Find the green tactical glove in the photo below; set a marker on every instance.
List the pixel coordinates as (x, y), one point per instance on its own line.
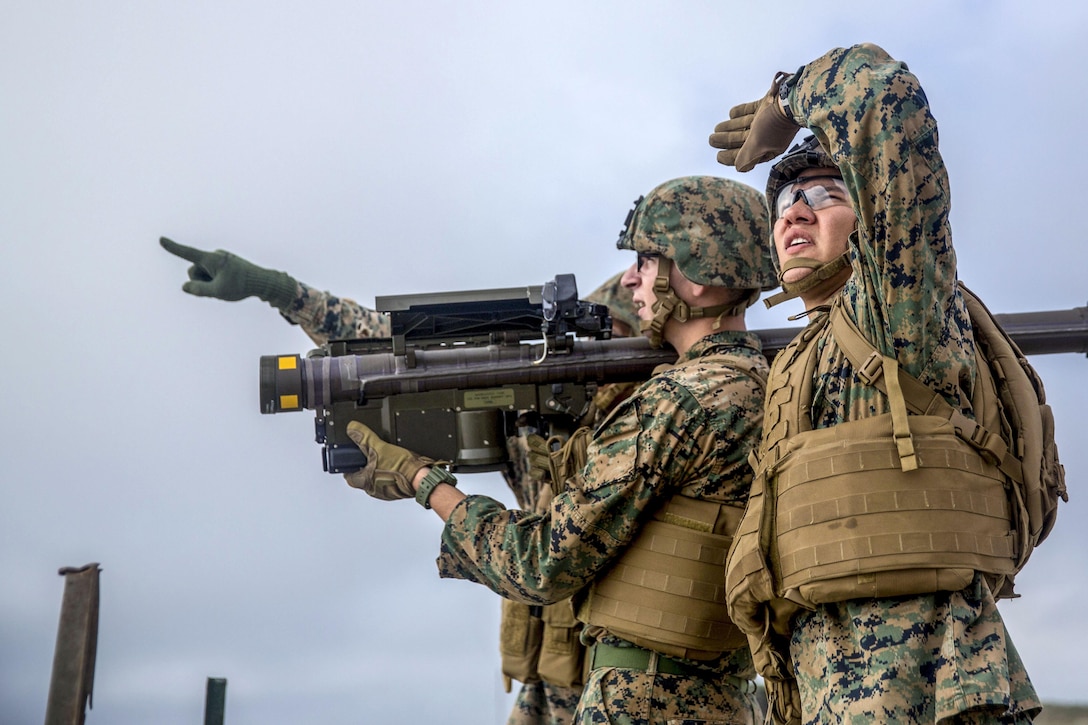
(389, 468)
(228, 277)
(756, 131)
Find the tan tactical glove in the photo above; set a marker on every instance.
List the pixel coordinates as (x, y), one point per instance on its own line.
(756, 131)
(389, 468)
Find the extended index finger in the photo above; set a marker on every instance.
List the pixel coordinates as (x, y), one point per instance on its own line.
(191, 254)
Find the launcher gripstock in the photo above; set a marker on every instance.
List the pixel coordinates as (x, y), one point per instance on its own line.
(460, 372)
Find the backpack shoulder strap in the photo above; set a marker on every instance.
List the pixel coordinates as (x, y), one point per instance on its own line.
(890, 378)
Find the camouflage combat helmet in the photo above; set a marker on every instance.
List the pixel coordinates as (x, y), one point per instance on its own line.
(808, 154)
(714, 230)
(618, 300)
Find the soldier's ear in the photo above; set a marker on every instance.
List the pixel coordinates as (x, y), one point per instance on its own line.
(699, 291)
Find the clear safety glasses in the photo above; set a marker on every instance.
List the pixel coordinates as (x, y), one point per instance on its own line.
(818, 192)
(642, 258)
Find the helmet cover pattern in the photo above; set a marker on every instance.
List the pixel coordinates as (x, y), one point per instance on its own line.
(713, 229)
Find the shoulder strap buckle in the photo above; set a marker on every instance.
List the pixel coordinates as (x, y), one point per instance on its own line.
(871, 370)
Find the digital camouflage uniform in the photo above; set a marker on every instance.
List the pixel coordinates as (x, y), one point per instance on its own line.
(325, 317)
(943, 657)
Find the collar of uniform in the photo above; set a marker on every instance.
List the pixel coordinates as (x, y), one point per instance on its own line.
(717, 341)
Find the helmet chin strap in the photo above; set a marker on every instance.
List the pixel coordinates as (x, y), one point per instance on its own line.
(821, 273)
(670, 306)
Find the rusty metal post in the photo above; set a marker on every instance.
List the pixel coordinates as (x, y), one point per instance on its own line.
(72, 682)
(215, 701)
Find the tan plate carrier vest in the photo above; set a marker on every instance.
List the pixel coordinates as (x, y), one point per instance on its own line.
(666, 591)
(885, 506)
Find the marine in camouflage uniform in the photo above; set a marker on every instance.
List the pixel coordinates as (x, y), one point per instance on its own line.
(323, 317)
(935, 657)
(672, 451)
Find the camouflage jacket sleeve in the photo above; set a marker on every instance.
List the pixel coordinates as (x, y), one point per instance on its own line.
(669, 436)
(324, 317)
(870, 113)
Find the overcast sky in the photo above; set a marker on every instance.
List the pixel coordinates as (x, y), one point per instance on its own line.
(391, 148)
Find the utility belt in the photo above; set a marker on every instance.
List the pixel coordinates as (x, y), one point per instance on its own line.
(645, 660)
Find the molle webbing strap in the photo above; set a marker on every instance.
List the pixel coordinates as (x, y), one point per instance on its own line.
(844, 506)
(789, 396)
(666, 592)
(904, 444)
(567, 459)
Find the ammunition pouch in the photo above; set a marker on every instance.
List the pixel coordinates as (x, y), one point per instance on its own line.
(665, 592)
(561, 652)
(541, 643)
(520, 637)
